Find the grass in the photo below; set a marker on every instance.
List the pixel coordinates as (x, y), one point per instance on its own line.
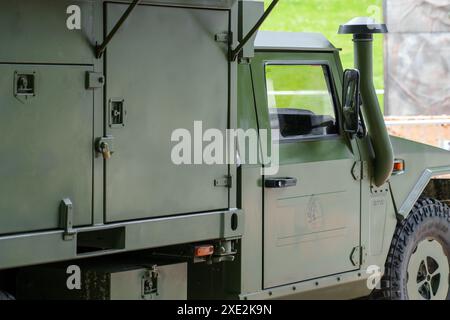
(325, 16)
(311, 78)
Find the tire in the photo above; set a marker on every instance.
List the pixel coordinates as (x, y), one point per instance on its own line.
(417, 266)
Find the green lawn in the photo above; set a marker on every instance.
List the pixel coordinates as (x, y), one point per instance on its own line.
(325, 16)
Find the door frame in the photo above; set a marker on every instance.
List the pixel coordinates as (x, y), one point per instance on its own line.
(335, 72)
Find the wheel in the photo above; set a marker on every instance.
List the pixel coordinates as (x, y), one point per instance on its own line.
(417, 267)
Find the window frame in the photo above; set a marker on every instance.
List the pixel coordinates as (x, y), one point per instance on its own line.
(332, 90)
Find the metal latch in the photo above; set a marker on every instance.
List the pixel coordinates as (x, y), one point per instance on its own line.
(117, 113)
(224, 250)
(226, 181)
(94, 80)
(67, 219)
(104, 146)
(149, 284)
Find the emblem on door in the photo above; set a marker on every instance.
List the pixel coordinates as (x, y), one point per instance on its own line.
(314, 214)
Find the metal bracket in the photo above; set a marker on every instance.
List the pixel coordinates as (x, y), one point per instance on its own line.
(224, 250)
(149, 284)
(235, 53)
(94, 80)
(383, 190)
(67, 219)
(100, 49)
(224, 182)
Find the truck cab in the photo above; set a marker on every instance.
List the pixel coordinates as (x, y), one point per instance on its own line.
(332, 227)
(103, 168)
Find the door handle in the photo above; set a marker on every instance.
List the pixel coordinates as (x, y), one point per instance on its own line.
(280, 182)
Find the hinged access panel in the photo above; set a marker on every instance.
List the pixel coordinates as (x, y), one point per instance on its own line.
(46, 147)
(164, 71)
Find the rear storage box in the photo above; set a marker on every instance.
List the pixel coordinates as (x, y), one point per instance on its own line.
(104, 281)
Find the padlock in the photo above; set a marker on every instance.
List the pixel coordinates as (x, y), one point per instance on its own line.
(106, 152)
(104, 146)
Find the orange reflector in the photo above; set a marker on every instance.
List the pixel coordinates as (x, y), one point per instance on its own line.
(202, 251)
(399, 165)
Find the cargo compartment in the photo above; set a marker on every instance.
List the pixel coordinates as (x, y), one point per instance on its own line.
(164, 71)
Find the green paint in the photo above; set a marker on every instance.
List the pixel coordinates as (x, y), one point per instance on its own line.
(299, 239)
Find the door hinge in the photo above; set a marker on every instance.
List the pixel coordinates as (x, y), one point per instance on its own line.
(94, 80)
(360, 170)
(358, 255)
(67, 219)
(226, 181)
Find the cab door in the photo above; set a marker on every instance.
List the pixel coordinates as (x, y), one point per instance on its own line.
(312, 205)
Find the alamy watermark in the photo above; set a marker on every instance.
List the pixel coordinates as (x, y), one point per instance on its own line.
(73, 281)
(374, 279)
(376, 13)
(73, 21)
(233, 147)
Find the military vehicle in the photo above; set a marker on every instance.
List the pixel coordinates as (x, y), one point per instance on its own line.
(92, 207)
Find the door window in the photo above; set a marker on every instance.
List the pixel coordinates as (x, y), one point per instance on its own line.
(300, 101)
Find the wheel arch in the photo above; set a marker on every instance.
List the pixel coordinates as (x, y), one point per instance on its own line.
(432, 183)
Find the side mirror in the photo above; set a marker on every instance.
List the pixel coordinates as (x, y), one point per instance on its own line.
(350, 102)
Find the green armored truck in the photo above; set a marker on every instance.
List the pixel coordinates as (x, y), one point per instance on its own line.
(112, 116)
